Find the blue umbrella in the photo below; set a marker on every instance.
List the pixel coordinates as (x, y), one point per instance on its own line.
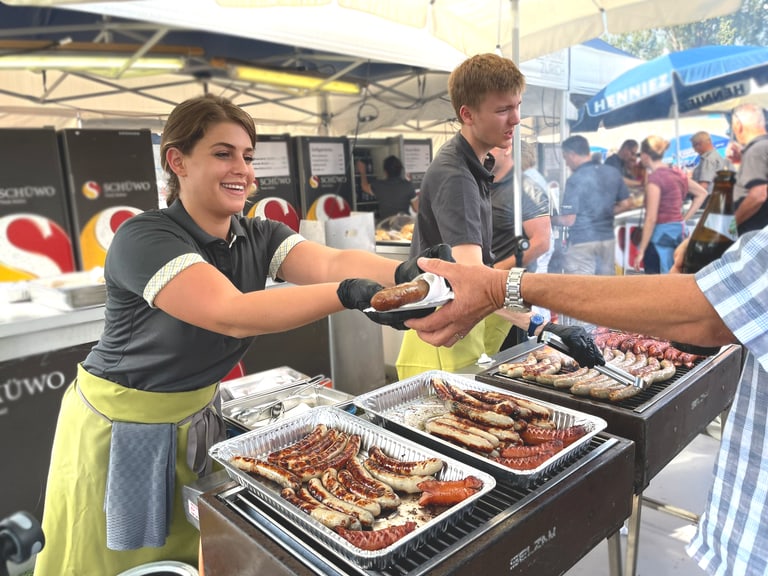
(688, 157)
(674, 84)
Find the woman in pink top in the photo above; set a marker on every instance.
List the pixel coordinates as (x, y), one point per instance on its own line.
(665, 190)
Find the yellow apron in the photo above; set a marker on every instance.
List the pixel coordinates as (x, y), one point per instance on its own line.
(74, 521)
(496, 330)
(416, 356)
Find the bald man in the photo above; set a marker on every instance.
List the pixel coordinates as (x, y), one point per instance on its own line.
(710, 160)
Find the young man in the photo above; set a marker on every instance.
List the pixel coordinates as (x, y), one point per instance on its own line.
(455, 201)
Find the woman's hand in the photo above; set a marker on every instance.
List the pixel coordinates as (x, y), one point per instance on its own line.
(638, 263)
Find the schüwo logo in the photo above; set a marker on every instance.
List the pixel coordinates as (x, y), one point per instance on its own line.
(91, 190)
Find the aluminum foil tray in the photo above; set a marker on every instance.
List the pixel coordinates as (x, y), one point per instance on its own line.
(430, 522)
(70, 291)
(258, 410)
(406, 405)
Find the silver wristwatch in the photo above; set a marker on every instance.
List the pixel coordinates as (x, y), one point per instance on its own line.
(513, 300)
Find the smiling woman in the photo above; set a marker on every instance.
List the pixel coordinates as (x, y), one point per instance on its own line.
(185, 298)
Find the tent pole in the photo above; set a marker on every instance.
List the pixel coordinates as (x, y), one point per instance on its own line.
(677, 125)
(516, 146)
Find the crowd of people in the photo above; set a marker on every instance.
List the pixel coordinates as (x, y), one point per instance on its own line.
(148, 391)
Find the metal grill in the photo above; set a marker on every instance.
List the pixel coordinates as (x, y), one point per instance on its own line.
(638, 403)
(498, 505)
(661, 419)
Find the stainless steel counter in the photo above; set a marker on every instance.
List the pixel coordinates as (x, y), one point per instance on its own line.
(28, 329)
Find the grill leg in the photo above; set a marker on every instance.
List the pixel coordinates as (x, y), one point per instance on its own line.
(614, 553)
(633, 536)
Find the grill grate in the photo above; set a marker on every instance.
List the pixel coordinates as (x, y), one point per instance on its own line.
(636, 403)
(503, 501)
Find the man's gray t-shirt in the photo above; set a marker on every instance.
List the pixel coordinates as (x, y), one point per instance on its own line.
(591, 193)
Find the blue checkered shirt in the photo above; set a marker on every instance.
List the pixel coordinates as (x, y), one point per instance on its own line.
(732, 536)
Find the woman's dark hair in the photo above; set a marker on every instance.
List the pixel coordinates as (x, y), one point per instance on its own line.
(393, 167)
(188, 123)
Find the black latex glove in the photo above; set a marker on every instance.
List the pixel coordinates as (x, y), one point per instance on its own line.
(356, 294)
(579, 344)
(408, 270)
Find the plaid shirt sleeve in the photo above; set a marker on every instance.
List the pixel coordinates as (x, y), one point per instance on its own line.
(737, 287)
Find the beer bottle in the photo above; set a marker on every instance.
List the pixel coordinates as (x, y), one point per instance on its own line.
(714, 233)
(716, 229)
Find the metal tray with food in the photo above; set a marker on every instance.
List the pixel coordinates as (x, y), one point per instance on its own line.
(514, 437)
(399, 508)
(258, 410)
(70, 291)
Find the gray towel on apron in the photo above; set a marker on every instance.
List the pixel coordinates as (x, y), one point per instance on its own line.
(140, 485)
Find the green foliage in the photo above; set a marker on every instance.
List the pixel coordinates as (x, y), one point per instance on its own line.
(747, 26)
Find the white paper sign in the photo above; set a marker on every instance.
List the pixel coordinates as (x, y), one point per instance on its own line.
(416, 158)
(271, 159)
(326, 158)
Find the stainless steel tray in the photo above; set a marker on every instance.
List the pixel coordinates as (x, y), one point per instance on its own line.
(259, 443)
(261, 382)
(70, 291)
(258, 410)
(406, 405)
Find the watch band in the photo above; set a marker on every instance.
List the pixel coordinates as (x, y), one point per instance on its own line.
(513, 300)
(536, 321)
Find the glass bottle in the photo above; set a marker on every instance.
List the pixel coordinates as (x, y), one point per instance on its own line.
(713, 235)
(716, 229)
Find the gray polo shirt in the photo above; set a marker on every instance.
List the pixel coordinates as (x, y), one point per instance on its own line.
(455, 200)
(709, 163)
(142, 347)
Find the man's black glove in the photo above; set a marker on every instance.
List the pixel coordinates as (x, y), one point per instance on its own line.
(408, 270)
(356, 294)
(575, 342)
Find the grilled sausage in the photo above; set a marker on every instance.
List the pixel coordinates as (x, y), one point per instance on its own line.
(425, 467)
(469, 426)
(321, 494)
(483, 416)
(330, 518)
(377, 539)
(522, 451)
(536, 435)
(387, 499)
(361, 475)
(437, 485)
(447, 496)
(402, 482)
(330, 480)
(284, 478)
(502, 434)
(314, 436)
(400, 295)
(351, 448)
(457, 436)
(525, 462)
